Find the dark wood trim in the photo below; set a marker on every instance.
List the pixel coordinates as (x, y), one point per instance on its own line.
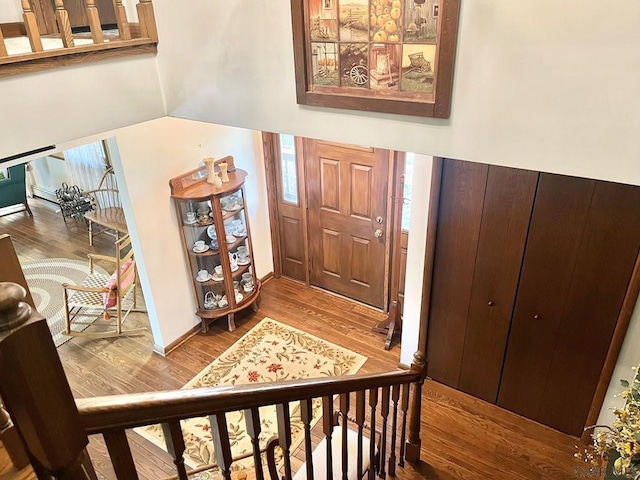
(34, 62)
(443, 82)
(430, 249)
(270, 145)
(303, 201)
(164, 351)
(628, 305)
(101, 414)
(266, 278)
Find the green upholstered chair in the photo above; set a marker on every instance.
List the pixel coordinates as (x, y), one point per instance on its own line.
(13, 190)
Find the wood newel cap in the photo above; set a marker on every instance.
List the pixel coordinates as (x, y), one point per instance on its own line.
(26, 6)
(419, 364)
(59, 5)
(13, 310)
(90, 3)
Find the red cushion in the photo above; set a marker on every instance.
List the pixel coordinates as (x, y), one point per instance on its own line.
(109, 298)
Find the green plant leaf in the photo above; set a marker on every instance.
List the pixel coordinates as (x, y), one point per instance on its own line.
(624, 383)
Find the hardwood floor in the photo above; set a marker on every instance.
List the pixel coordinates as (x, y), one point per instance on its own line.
(463, 437)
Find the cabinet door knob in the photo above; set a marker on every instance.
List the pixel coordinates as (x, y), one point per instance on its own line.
(491, 304)
(536, 317)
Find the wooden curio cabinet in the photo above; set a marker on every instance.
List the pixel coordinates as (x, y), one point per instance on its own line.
(216, 237)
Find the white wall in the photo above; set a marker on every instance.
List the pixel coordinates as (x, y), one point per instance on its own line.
(47, 175)
(67, 103)
(544, 85)
(414, 276)
(10, 11)
(145, 157)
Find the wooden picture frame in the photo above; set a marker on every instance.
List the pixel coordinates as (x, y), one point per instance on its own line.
(390, 56)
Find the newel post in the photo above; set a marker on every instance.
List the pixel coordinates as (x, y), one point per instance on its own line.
(414, 442)
(31, 26)
(36, 393)
(62, 17)
(147, 19)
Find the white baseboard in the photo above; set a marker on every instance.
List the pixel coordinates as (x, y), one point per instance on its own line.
(44, 192)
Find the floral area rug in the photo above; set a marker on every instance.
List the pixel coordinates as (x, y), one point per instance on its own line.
(45, 279)
(269, 352)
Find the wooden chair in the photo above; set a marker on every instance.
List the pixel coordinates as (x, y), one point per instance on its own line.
(114, 297)
(107, 211)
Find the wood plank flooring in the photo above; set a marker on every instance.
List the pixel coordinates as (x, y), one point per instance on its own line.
(463, 437)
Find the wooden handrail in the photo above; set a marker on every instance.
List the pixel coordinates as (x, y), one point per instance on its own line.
(131, 39)
(101, 414)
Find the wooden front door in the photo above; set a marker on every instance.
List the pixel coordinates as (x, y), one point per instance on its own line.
(347, 188)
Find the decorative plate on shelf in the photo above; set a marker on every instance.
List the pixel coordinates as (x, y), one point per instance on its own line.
(211, 231)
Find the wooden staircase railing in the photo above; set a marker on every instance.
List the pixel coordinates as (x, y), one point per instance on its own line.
(54, 427)
(132, 38)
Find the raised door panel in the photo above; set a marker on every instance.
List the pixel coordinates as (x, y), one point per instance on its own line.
(292, 247)
(556, 232)
(459, 218)
(604, 264)
(505, 223)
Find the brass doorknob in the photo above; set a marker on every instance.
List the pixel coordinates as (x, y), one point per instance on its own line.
(378, 233)
(491, 304)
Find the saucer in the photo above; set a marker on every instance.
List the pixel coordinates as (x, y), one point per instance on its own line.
(239, 297)
(206, 247)
(235, 269)
(187, 222)
(240, 233)
(217, 278)
(203, 280)
(233, 208)
(246, 262)
(232, 237)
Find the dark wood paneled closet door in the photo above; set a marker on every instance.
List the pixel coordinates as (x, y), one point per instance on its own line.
(583, 241)
(482, 229)
(506, 213)
(459, 216)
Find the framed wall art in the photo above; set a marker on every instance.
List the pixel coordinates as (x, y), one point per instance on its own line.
(392, 56)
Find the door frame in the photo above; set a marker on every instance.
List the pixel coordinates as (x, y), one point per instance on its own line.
(271, 153)
(622, 323)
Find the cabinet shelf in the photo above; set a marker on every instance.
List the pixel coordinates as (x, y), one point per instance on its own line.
(190, 191)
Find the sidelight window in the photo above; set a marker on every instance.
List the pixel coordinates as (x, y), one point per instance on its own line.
(289, 169)
(406, 192)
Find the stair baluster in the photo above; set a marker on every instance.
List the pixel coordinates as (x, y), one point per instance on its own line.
(3, 47)
(221, 444)
(62, 18)
(252, 420)
(327, 427)
(395, 396)
(147, 19)
(384, 411)
(121, 20)
(284, 436)
(404, 406)
(120, 453)
(373, 405)
(344, 413)
(175, 446)
(306, 414)
(360, 414)
(94, 22)
(31, 26)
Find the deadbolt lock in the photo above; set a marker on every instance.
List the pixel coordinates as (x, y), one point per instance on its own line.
(378, 233)
(379, 219)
